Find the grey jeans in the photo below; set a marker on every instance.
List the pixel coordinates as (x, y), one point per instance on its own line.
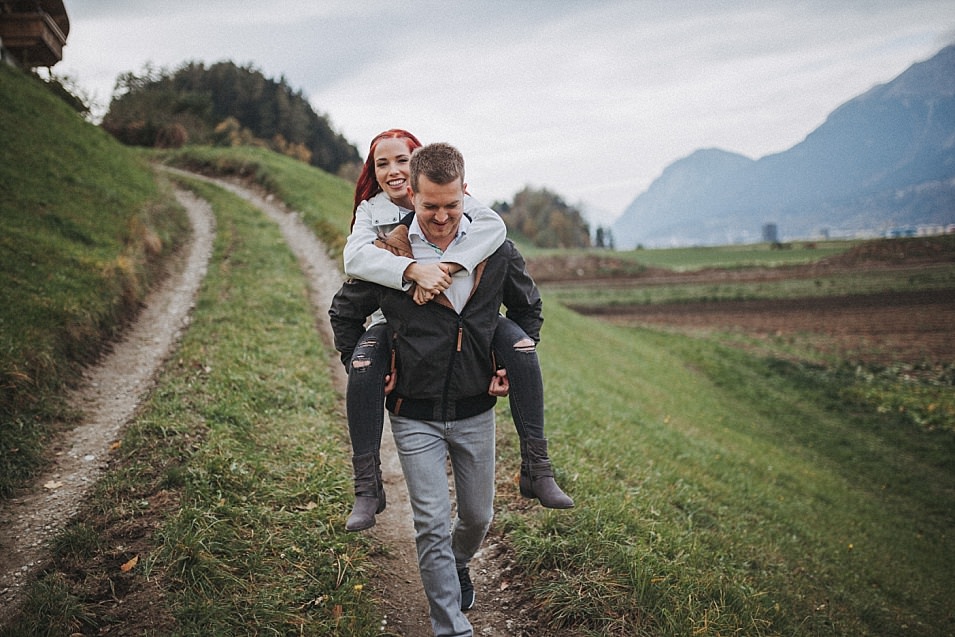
(423, 448)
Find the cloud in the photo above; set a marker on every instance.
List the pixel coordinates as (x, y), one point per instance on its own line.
(592, 100)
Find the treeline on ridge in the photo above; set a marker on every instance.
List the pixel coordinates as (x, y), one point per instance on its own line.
(225, 105)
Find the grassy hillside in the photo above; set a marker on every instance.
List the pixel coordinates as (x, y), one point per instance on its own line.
(251, 448)
(83, 231)
(722, 493)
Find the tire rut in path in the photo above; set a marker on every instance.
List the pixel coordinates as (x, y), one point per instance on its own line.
(109, 397)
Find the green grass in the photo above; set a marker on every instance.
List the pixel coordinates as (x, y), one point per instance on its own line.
(243, 441)
(83, 233)
(635, 292)
(738, 256)
(722, 493)
(263, 512)
(730, 256)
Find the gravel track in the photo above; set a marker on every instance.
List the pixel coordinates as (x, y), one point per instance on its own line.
(109, 397)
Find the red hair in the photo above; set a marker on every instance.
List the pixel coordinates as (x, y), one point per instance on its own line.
(367, 185)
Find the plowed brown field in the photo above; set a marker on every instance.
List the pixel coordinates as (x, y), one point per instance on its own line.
(916, 326)
(912, 327)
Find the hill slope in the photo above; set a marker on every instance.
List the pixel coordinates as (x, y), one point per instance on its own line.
(84, 231)
(884, 159)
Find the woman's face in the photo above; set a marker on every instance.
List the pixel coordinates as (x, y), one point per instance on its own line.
(392, 159)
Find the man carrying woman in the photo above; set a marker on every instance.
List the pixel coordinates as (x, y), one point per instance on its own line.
(382, 200)
(440, 404)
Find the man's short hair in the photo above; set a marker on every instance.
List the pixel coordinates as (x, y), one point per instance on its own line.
(440, 163)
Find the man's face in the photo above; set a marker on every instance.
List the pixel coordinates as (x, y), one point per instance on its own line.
(438, 208)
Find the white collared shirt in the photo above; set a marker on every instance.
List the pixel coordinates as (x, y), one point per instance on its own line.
(426, 252)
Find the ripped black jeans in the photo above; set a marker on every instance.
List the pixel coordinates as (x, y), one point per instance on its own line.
(371, 361)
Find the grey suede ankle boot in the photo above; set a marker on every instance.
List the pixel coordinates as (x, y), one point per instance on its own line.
(369, 492)
(537, 476)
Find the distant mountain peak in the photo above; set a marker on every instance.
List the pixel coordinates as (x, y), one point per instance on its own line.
(883, 160)
(929, 79)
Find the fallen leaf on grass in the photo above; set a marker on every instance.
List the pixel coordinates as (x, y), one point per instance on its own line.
(130, 565)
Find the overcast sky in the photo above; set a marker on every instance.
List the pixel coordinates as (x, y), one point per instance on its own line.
(591, 99)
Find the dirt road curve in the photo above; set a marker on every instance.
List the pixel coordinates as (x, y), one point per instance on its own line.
(109, 398)
(118, 384)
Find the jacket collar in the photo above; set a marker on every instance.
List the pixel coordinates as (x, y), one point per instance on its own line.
(384, 212)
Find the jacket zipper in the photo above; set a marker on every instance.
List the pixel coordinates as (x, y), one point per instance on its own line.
(447, 378)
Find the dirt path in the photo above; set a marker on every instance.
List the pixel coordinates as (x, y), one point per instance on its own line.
(116, 386)
(110, 396)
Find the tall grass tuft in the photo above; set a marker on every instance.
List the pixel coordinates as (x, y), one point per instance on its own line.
(56, 609)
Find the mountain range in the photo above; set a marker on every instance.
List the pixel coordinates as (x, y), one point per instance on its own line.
(882, 162)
